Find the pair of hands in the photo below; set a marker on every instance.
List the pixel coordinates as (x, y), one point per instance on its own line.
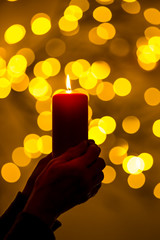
(59, 184)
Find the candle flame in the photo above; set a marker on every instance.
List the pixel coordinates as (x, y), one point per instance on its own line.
(68, 84)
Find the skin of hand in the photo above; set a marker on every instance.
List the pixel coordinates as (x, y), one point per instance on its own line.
(66, 181)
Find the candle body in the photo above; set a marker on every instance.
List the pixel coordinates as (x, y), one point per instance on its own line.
(70, 121)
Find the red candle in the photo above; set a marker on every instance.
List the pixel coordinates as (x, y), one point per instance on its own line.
(70, 119)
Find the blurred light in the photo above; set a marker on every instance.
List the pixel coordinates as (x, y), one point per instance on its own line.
(131, 124)
(147, 67)
(30, 143)
(38, 72)
(154, 43)
(21, 85)
(94, 38)
(51, 67)
(126, 161)
(141, 41)
(147, 54)
(17, 66)
(119, 47)
(105, 2)
(40, 24)
(20, 158)
(55, 47)
(5, 87)
(109, 174)
(66, 25)
(44, 121)
(105, 91)
(94, 123)
(97, 135)
(102, 14)
(2, 66)
(156, 191)
(135, 165)
(117, 154)
(90, 113)
(68, 71)
(10, 172)
(156, 128)
(28, 54)
(38, 87)
(136, 181)
(42, 106)
(83, 4)
(14, 34)
(152, 15)
(106, 31)
(108, 124)
(151, 32)
(152, 96)
(45, 144)
(131, 7)
(147, 159)
(122, 87)
(77, 68)
(3, 52)
(73, 13)
(87, 80)
(100, 69)
(129, 1)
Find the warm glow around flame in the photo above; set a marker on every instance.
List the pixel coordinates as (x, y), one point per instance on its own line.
(68, 84)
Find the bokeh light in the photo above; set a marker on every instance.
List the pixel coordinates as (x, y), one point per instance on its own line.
(45, 144)
(2, 66)
(40, 24)
(44, 121)
(55, 47)
(105, 91)
(66, 25)
(156, 191)
(28, 54)
(51, 67)
(119, 47)
(38, 87)
(14, 34)
(97, 134)
(147, 159)
(87, 80)
(83, 4)
(42, 106)
(135, 165)
(102, 14)
(131, 124)
(156, 128)
(17, 66)
(10, 172)
(109, 174)
(20, 158)
(152, 15)
(106, 31)
(22, 84)
(73, 13)
(151, 32)
(5, 87)
(131, 7)
(122, 87)
(136, 181)
(100, 69)
(152, 96)
(94, 38)
(108, 124)
(117, 154)
(30, 143)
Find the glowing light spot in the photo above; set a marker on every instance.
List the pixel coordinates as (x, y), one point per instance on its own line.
(14, 34)
(100, 69)
(51, 67)
(66, 25)
(136, 181)
(43, 106)
(5, 87)
(28, 54)
(119, 47)
(87, 80)
(109, 174)
(152, 15)
(30, 143)
(147, 67)
(21, 85)
(131, 124)
(38, 87)
(129, 1)
(94, 123)
(3, 52)
(117, 155)
(152, 96)
(17, 66)
(55, 47)
(105, 2)
(45, 121)
(131, 7)
(106, 31)
(102, 14)
(40, 24)
(122, 87)
(151, 32)
(46, 95)
(147, 159)
(20, 158)
(83, 4)
(141, 41)
(147, 54)
(154, 43)
(156, 191)
(105, 91)
(2, 66)
(77, 68)
(97, 135)
(94, 38)
(68, 71)
(135, 165)
(10, 172)
(90, 113)
(108, 124)
(38, 72)
(156, 128)
(126, 161)
(73, 13)
(45, 144)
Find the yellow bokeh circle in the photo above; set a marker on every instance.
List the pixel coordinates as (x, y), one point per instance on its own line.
(109, 174)
(30, 143)
(147, 159)
(73, 13)
(136, 181)
(152, 15)
(20, 158)
(102, 14)
(40, 24)
(5, 87)
(152, 96)
(131, 124)
(45, 144)
(87, 80)
(100, 69)
(122, 87)
(105, 91)
(14, 34)
(97, 135)
(106, 31)
(38, 87)
(156, 128)
(10, 172)
(17, 66)
(108, 124)
(44, 121)
(156, 191)
(117, 154)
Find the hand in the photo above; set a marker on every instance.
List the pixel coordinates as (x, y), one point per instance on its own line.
(67, 180)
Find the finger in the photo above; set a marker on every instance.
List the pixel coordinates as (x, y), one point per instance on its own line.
(91, 155)
(99, 164)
